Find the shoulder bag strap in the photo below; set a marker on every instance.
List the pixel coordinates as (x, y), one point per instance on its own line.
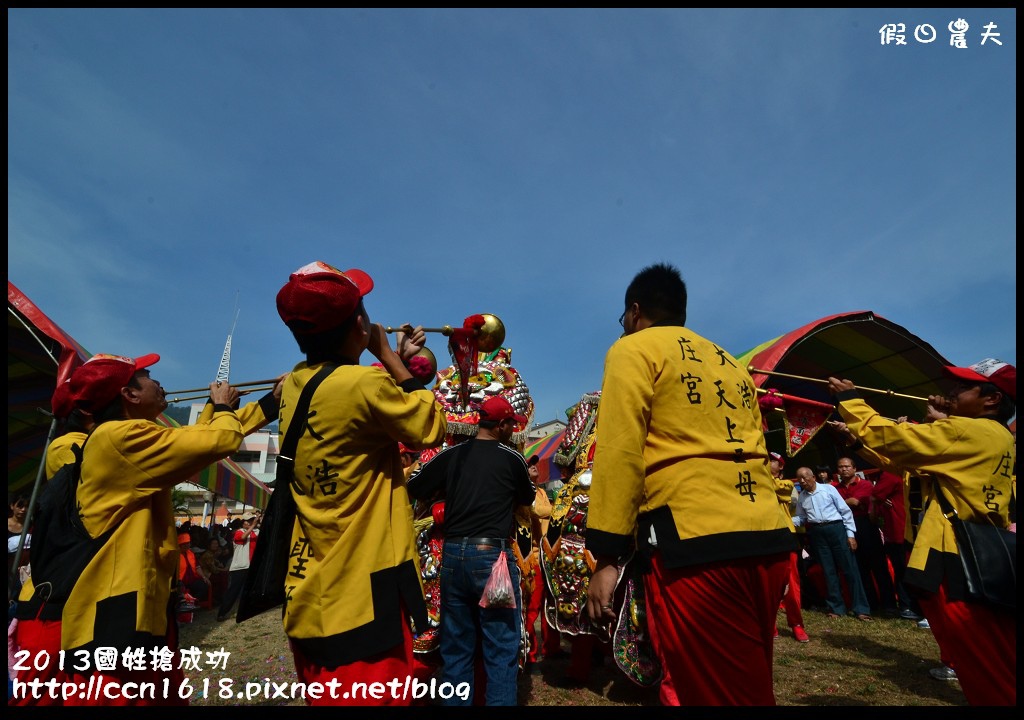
(948, 511)
(299, 417)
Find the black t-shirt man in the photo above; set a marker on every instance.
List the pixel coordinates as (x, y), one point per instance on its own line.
(482, 479)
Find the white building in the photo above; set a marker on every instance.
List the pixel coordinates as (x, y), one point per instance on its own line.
(257, 455)
(543, 430)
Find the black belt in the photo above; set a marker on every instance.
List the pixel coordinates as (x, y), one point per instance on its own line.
(494, 542)
(830, 522)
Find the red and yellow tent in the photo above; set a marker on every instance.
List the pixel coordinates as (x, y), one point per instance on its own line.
(545, 448)
(861, 346)
(39, 355)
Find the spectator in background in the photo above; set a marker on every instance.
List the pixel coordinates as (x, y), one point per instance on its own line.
(191, 578)
(410, 459)
(214, 568)
(871, 561)
(833, 535)
(823, 474)
(17, 507)
(244, 544)
(889, 507)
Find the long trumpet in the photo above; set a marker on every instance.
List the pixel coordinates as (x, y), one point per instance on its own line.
(489, 337)
(271, 382)
(752, 370)
(172, 400)
(204, 392)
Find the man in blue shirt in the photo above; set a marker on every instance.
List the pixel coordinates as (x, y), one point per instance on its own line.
(832, 533)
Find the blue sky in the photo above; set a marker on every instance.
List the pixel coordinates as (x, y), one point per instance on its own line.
(525, 163)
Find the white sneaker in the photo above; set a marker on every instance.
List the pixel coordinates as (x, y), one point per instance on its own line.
(943, 673)
(923, 624)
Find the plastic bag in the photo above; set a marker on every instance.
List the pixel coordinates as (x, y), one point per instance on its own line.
(498, 592)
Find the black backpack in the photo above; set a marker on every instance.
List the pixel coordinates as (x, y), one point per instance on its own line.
(61, 547)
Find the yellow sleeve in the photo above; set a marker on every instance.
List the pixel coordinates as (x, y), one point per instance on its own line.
(414, 418)
(161, 457)
(252, 416)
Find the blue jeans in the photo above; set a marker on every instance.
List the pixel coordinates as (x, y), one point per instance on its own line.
(465, 625)
(831, 547)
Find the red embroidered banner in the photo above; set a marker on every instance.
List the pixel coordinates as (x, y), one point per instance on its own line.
(803, 419)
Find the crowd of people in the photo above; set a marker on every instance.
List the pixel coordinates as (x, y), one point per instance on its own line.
(682, 482)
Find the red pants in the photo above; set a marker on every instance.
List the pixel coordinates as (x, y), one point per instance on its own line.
(711, 626)
(791, 600)
(396, 663)
(979, 643)
(41, 640)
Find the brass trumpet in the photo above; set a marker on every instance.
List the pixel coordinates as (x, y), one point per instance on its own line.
(204, 392)
(204, 396)
(489, 337)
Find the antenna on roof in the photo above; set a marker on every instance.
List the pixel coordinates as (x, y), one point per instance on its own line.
(224, 370)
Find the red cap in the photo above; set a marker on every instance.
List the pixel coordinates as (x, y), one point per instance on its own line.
(62, 403)
(1001, 374)
(778, 458)
(404, 449)
(98, 382)
(496, 408)
(319, 297)
(184, 538)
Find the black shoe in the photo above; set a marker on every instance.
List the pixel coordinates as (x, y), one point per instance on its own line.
(909, 614)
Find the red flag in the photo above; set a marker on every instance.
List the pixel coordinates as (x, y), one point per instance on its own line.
(803, 419)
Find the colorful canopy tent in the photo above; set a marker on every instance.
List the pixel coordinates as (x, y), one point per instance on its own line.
(860, 346)
(39, 353)
(545, 448)
(227, 478)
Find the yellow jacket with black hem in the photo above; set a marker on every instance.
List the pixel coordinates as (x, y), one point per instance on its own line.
(971, 458)
(681, 459)
(128, 470)
(354, 565)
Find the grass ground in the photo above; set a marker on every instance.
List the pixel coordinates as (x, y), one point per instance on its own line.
(846, 663)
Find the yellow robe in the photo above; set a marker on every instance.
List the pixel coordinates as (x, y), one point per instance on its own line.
(128, 471)
(681, 458)
(353, 562)
(971, 458)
